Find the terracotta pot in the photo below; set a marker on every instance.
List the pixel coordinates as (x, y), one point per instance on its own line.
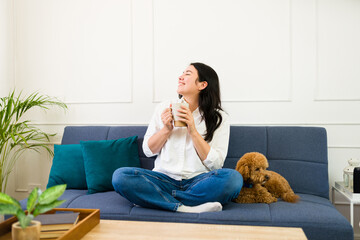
(31, 232)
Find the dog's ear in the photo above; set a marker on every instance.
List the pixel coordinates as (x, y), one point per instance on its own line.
(245, 171)
(262, 160)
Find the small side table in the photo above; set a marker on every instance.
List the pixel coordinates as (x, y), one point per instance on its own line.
(354, 198)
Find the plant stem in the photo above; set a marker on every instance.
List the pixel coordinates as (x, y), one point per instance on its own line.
(3, 167)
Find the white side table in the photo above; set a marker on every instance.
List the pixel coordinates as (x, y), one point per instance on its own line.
(354, 198)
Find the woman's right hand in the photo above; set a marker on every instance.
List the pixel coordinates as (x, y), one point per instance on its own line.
(157, 141)
(167, 118)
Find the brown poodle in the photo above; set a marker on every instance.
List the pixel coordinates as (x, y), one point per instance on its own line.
(261, 185)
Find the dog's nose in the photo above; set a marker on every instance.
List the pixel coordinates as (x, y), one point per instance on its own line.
(267, 177)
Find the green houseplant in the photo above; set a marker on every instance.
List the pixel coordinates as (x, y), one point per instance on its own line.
(38, 202)
(16, 134)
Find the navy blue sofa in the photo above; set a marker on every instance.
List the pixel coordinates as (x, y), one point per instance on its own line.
(297, 153)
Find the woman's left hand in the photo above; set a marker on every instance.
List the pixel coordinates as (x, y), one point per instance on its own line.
(186, 116)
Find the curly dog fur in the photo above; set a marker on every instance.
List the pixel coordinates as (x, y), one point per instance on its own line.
(261, 185)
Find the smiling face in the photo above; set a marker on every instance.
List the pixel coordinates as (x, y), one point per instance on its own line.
(188, 84)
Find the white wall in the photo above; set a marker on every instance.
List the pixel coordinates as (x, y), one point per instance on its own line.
(6, 47)
(280, 62)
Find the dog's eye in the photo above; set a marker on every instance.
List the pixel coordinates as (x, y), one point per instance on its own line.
(257, 169)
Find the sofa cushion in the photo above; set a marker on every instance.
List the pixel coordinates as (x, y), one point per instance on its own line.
(117, 132)
(112, 206)
(102, 158)
(233, 212)
(243, 140)
(312, 175)
(300, 155)
(316, 215)
(68, 167)
(75, 134)
(310, 209)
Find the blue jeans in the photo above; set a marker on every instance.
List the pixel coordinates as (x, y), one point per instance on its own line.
(152, 189)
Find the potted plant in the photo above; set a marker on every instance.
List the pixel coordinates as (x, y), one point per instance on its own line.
(16, 134)
(38, 202)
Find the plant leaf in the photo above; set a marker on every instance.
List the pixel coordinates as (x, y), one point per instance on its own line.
(24, 219)
(8, 209)
(51, 194)
(20, 215)
(16, 134)
(32, 200)
(47, 207)
(4, 198)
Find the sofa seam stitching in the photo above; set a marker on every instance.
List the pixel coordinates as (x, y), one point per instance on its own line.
(107, 134)
(271, 217)
(285, 159)
(267, 141)
(74, 199)
(297, 160)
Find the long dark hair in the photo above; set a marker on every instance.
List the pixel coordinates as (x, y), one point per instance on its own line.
(209, 99)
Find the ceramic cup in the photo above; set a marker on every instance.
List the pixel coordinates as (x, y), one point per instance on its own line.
(175, 107)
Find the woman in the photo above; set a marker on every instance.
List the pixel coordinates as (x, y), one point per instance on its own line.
(187, 176)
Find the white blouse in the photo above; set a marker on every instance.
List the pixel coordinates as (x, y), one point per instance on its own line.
(178, 158)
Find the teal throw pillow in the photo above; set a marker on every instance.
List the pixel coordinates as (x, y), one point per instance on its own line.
(68, 167)
(102, 158)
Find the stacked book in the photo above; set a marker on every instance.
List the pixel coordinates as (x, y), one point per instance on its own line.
(56, 225)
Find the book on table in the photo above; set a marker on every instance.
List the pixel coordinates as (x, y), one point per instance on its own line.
(52, 234)
(55, 225)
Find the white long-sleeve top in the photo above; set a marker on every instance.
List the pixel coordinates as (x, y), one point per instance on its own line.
(178, 158)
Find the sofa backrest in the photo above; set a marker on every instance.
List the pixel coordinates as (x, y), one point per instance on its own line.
(297, 153)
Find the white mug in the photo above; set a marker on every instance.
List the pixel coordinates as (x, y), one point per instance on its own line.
(175, 107)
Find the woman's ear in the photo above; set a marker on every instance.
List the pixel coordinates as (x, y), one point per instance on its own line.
(202, 85)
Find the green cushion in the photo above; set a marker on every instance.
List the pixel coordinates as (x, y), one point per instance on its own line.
(68, 167)
(102, 158)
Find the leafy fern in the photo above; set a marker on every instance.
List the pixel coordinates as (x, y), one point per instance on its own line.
(17, 135)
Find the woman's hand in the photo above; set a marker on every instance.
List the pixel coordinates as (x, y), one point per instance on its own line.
(201, 146)
(186, 116)
(157, 141)
(167, 119)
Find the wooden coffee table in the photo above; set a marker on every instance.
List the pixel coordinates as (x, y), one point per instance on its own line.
(114, 229)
